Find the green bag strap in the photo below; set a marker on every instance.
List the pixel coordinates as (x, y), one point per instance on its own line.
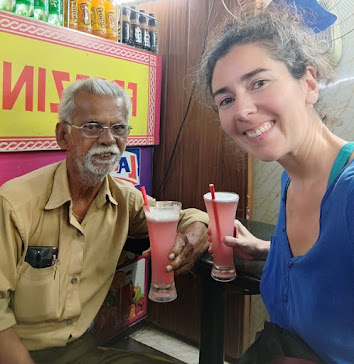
(341, 161)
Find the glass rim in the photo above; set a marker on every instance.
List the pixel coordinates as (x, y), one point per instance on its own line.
(167, 203)
(234, 197)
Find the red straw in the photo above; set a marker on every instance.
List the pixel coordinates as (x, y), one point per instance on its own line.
(146, 202)
(216, 216)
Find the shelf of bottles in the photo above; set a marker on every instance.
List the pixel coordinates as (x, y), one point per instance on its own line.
(108, 19)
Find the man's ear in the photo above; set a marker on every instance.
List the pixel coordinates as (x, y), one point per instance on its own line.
(311, 86)
(61, 133)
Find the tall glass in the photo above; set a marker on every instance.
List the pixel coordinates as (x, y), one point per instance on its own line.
(162, 219)
(222, 212)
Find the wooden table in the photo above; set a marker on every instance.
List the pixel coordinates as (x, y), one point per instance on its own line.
(213, 296)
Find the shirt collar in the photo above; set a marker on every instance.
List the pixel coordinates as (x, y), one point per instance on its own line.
(60, 189)
(61, 193)
(104, 194)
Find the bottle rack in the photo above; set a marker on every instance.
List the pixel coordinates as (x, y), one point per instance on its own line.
(139, 13)
(64, 18)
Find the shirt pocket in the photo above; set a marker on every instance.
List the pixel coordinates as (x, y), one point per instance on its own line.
(36, 297)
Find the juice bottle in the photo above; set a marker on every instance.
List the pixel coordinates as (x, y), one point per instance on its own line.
(32, 8)
(23, 7)
(40, 11)
(125, 26)
(7, 5)
(145, 36)
(98, 22)
(72, 13)
(55, 12)
(111, 20)
(135, 30)
(153, 33)
(84, 16)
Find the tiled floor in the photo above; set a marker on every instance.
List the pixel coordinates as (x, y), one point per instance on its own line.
(169, 345)
(147, 339)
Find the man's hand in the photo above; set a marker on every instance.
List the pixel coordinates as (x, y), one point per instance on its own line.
(245, 245)
(188, 247)
(12, 351)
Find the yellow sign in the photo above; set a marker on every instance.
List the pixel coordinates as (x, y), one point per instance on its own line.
(39, 60)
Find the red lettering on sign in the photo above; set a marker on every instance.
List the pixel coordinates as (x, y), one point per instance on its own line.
(9, 96)
(119, 83)
(134, 87)
(42, 77)
(59, 77)
(82, 77)
(132, 174)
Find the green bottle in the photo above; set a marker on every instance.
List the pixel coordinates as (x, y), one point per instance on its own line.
(7, 5)
(23, 7)
(41, 10)
(55, 12)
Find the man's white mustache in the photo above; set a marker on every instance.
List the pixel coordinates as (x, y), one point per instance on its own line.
(113, 149)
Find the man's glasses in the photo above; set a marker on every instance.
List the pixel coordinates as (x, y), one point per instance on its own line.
(94, 130)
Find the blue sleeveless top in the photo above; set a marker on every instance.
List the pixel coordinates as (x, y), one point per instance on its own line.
(313, 295)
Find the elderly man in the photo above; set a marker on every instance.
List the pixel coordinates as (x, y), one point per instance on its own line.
(79, 217)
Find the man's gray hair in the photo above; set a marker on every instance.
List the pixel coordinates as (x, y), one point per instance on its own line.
(95, 86)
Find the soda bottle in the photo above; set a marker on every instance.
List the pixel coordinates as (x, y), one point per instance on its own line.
(125, 26)
(98, 21)
(145, 36)
(32, 8)
(135, 30)
(23, 7)
(72, 13)
(153, 33)
(55, 12)
(7, 5)
(40, 10)
(84, 16)
(111, 20)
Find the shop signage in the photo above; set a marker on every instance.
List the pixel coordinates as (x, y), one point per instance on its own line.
(129, 166)
(38, 60)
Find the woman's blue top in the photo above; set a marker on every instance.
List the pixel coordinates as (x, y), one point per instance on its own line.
(313, 295)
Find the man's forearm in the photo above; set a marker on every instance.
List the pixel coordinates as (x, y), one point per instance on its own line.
(12, 351)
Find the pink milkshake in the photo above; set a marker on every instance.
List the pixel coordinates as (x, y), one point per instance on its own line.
(162, 220)
(225, 205)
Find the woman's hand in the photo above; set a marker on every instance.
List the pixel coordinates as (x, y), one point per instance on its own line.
(245, 244)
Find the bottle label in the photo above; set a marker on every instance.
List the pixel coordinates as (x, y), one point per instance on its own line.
(111, 22)
(54, 7)
(40, 4)
(97, 18)
(137, 35)
(126, 32)
(145, 38)
(73, 14)
(84, 15)
(153, 41)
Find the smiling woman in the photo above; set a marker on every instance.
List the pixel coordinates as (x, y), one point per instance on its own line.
(261, 72)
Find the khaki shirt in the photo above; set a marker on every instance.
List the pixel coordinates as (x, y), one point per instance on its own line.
(50, 306)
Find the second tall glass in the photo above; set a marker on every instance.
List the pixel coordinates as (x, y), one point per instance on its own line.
(222, 213)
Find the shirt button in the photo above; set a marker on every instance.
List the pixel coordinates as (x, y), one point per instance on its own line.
(284, 229)
(290, 264)
(285, 298)
(79, 234)
(69, 322)
(73, 280)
